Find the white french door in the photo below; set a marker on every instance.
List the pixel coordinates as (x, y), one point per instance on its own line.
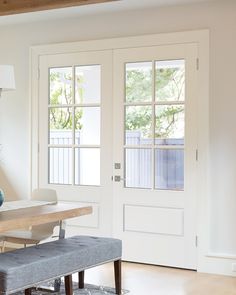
(75, 134)
(117, 130)
(155, 141)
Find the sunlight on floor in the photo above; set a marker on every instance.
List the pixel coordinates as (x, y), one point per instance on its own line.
(142, 279)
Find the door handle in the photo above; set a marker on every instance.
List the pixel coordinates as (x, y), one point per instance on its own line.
(118, 178)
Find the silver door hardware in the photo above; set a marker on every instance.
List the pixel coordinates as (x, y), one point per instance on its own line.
(117, 165)
(118, 178)
(196, 155)
(197, 63)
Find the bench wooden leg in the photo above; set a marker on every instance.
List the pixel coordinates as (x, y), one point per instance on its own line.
(81, 279)
(68, 285)
(117, 271)
(28, 291)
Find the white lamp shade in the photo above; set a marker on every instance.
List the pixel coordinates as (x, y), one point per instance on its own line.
(7, 78)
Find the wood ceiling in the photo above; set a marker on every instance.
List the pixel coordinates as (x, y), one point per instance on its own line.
(8, 7)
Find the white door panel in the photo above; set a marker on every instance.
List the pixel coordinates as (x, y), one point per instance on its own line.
(154, 220)
(75, 132)
(155, 201)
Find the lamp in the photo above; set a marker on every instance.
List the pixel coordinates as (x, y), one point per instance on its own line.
(7, 79)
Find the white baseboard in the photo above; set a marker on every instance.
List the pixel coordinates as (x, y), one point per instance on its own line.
(218, 263)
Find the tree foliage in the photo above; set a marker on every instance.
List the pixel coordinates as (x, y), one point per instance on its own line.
(61, 118)
(138, 86)
(169, 86)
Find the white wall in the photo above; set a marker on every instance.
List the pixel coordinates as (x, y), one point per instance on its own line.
(219, 17)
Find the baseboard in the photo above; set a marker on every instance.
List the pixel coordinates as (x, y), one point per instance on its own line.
(216, 263)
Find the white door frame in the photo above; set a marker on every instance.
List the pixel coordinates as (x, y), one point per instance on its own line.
(201, 38)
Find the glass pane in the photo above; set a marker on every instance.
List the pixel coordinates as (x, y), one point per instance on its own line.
(88, 84)
(60, 165)
(169, 124)
(138, 123)
(87, 166)
(138, 84)
(170, 80)
(60, 124)
(87, 125)
(138, 168)
(169, 169)
(60, 86)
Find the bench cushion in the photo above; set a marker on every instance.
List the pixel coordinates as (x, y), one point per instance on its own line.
(26, 267)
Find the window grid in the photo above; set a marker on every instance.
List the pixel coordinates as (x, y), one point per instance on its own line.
(73, 146)
(153, 146)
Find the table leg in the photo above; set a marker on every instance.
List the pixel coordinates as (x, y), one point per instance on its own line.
(62, 232)
(57, 282)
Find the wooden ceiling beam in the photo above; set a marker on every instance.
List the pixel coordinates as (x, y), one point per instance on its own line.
(8, 7)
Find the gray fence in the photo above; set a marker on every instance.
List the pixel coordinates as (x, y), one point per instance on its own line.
(168, 163)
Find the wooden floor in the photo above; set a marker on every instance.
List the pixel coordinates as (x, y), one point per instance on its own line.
(142, 279)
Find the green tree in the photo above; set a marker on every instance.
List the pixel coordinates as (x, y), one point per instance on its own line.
(61, 118)
(169, 85)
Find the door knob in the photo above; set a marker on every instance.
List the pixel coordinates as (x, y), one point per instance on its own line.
(118, 178)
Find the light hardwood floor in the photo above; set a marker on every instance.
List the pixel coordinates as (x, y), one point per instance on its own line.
(142, 279)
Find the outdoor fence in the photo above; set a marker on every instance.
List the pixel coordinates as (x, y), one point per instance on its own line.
(168, 163)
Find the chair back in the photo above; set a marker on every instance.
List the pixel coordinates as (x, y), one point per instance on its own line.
(49, 195)
(44, 194)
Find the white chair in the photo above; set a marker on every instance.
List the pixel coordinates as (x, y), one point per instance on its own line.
(36, 233)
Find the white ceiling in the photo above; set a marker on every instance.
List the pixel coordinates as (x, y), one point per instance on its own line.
(80, 11)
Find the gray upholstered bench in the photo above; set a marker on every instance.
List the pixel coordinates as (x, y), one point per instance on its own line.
(24, 268)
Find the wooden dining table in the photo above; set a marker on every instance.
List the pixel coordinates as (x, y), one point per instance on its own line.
(22, 214)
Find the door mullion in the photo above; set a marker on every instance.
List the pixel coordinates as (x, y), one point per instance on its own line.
(73, 127)
(153, 126)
